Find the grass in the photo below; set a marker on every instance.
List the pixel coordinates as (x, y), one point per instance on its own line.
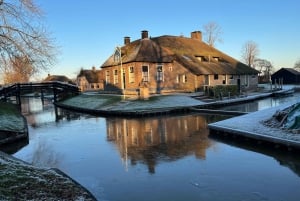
(92, 101)
(10, 118)
(20, 181)
(113, 103)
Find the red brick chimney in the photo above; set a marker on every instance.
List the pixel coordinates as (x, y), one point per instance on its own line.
(126, 40)
(144, 34)
(196, 35)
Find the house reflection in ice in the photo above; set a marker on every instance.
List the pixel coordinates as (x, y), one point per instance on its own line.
(151, 140)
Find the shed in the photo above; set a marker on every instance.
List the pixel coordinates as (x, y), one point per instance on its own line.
(288, 75)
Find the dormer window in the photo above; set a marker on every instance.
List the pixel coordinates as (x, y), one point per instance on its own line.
(216, 59)
(200, 58)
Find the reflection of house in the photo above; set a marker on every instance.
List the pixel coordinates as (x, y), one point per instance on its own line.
(89, 80)
(172, 64)
(59, 78)
(289, 76)
(166, 138)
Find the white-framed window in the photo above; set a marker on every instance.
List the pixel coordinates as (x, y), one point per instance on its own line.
(177, 78)
(107, 77)
(216, 59)
(184, 78)
(159, 73)
(145, 73)
(170, 68)
(116, 77)
(216, 76)
(131, 74)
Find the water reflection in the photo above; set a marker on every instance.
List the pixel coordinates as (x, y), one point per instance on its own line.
(155, 139)
(39, 113)
(265, 103)
(285, 158)
(12, 148)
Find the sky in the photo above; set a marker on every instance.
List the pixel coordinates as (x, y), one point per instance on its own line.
(87, 32)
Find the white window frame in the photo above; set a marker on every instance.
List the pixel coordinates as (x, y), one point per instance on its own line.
(159, 73)
(107, 77)
(144, 74)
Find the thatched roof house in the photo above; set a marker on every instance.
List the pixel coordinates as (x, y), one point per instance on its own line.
(59, 78)
(89, 79)
(188, 63)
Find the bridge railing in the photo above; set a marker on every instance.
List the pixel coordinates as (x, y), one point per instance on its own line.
(56, 86)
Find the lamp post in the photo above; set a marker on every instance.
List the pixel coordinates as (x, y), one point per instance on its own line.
(118, 54)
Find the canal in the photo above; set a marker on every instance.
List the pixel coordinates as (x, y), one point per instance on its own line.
(158, 158)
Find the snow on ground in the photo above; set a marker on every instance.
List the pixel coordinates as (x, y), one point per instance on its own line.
(115, 103)
(21, 181)
(254, 123)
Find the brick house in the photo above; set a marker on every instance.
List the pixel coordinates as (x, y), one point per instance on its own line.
(168, 64)
(89, 80)
(59, 78)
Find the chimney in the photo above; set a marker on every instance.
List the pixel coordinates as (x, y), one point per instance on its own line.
(126, 40)
(196, 35)
(144, 34)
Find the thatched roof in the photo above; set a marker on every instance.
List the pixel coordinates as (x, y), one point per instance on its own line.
(186, 51)
(59, 78)
(90, 75)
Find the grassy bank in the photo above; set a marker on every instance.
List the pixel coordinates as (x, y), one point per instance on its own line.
(10, 118)
(20, 181)
(116, 103)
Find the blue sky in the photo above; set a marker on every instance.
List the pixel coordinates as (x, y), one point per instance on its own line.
(87, 32)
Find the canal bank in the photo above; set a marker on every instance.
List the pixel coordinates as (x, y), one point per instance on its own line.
(260, 126)
(22, 181)
(108, 105)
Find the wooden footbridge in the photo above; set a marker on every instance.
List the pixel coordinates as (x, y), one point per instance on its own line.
(59, 90)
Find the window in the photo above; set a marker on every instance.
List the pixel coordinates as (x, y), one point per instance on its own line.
(206, 80)
(177, 78)
(160, 74)
(200, 58)
(131, 69)
(184, 78)
(246, 80)
(115, 76)
(216, 76)
(231, 77)
(171, 68)
(107, 77)
(216, 59)
(145, 74)
(131, 74)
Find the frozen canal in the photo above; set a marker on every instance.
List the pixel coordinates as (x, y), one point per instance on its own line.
(159, 158)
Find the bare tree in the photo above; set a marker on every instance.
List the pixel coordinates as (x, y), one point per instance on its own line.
(265, 69)
(212, 33)
(297, 65)
(250, 52)
(23, 38)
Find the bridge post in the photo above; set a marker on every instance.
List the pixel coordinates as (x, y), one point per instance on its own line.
(54, 93)
(18, 95)
(42, 96)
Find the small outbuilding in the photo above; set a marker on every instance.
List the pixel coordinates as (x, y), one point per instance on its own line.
(286, 76)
